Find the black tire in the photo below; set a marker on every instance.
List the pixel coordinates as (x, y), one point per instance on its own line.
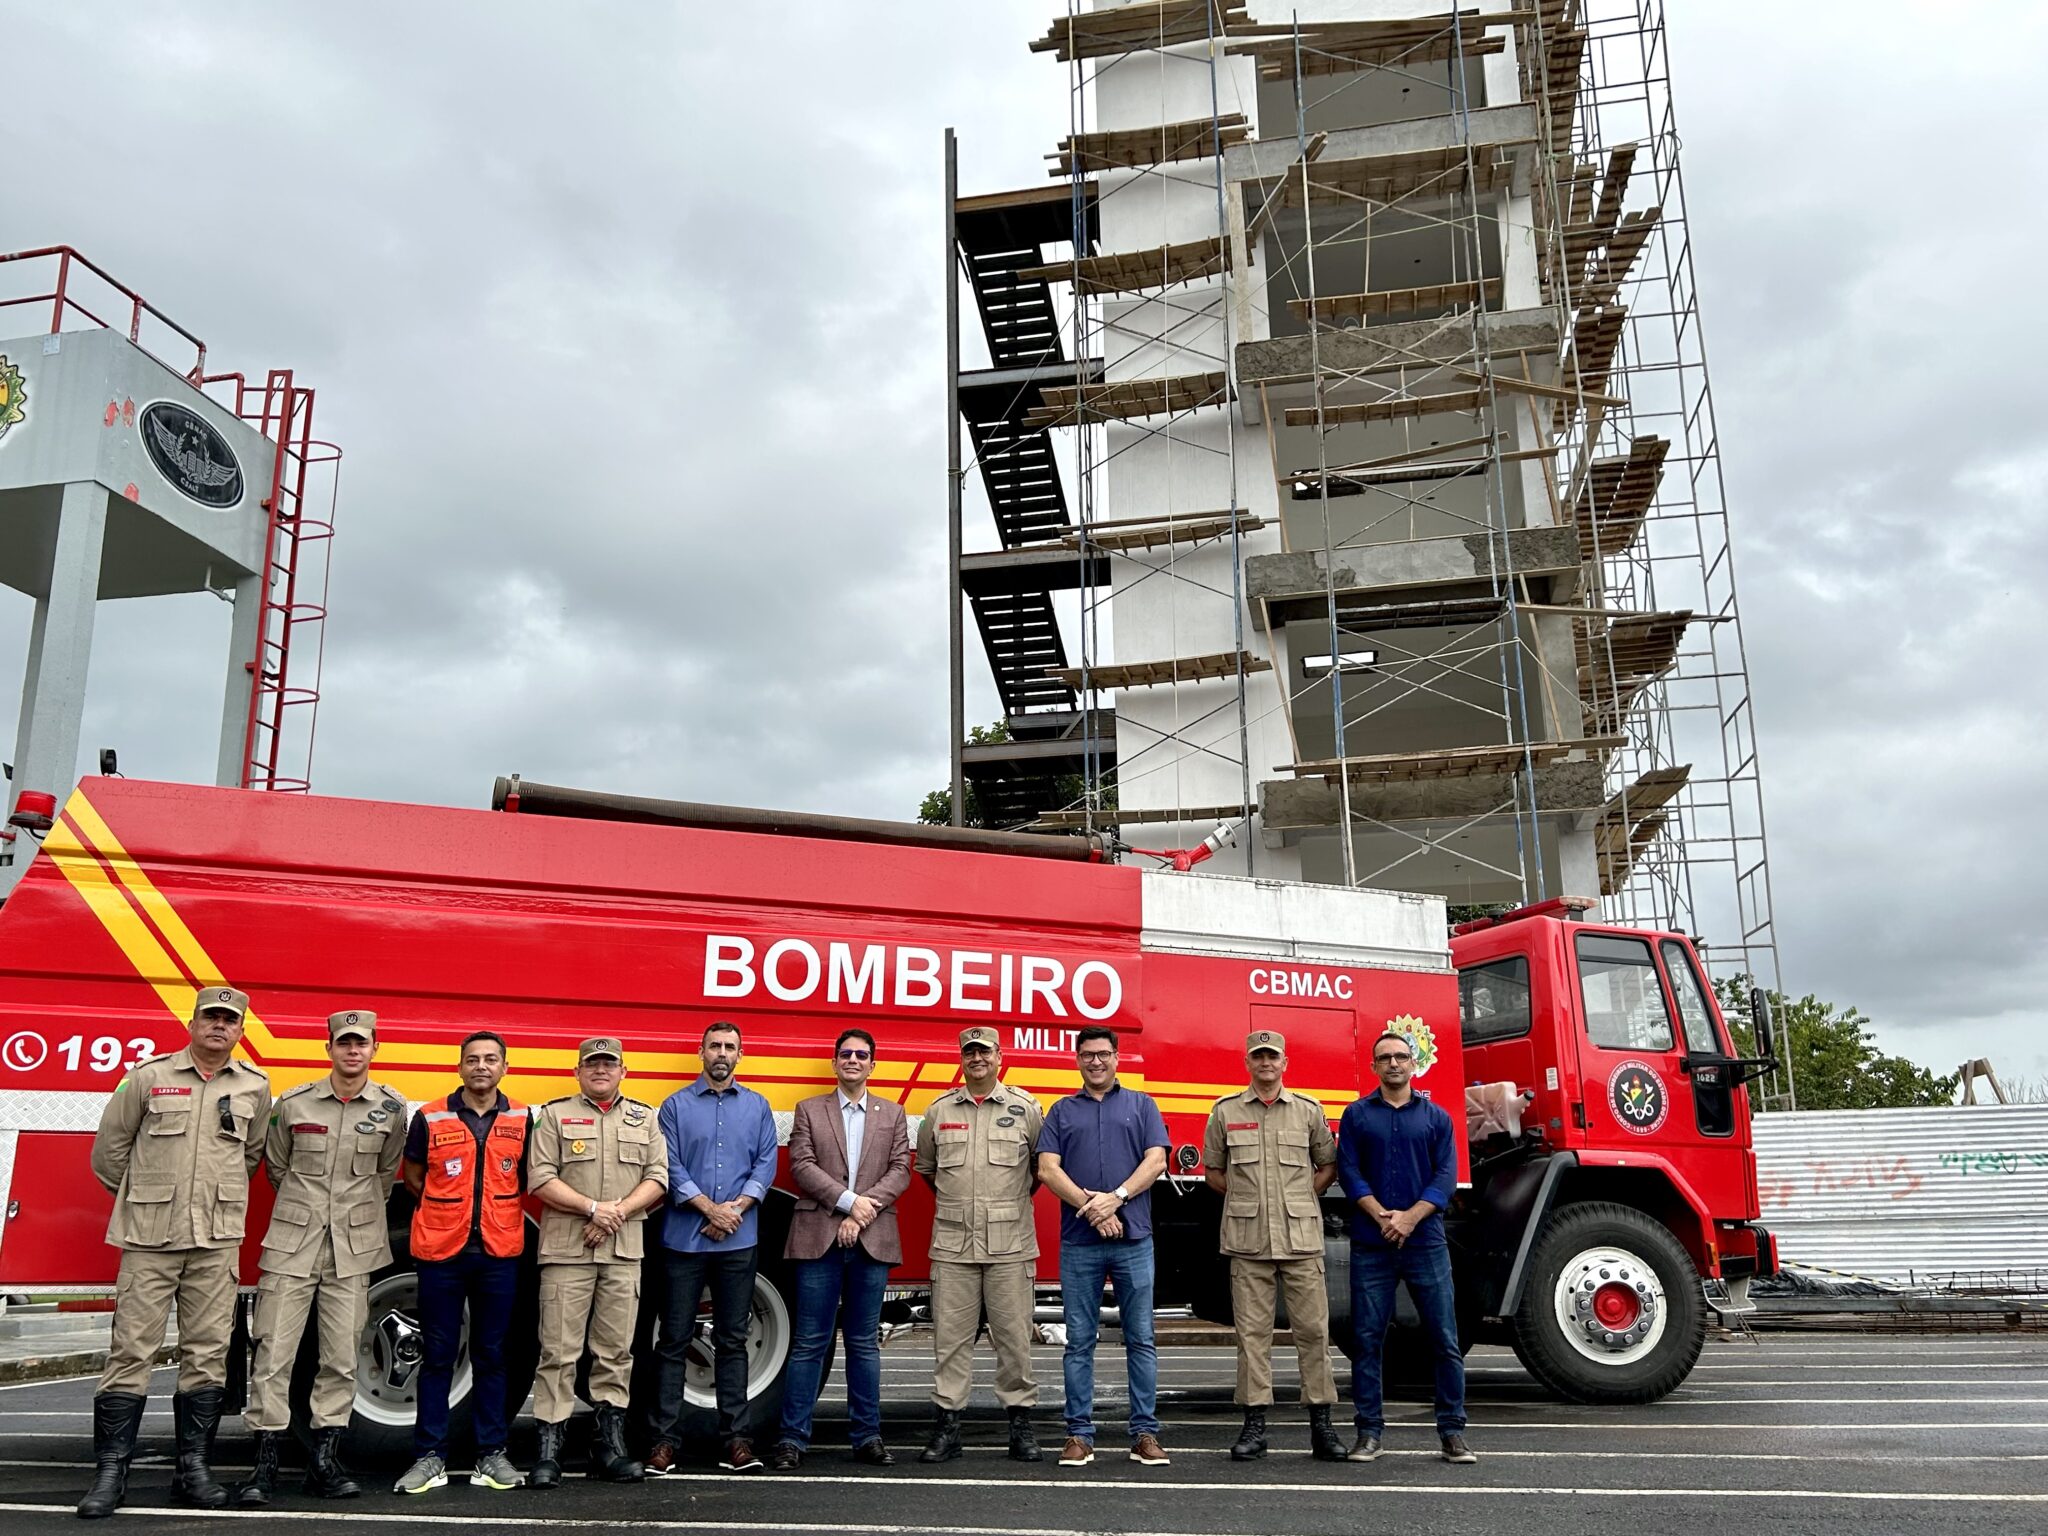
(1607, 1250)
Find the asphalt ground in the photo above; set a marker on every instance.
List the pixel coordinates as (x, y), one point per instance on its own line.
(1813, 1433)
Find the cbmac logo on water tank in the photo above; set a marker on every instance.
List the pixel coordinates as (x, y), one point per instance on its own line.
(13, 397)
(190, 454)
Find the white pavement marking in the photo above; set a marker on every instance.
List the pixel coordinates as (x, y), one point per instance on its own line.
(1636, 1492)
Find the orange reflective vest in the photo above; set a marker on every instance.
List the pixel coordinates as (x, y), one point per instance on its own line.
(441, 1222)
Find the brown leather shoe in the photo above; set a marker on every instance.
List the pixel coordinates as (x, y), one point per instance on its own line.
(1148, 1452)
(662, 1461)
(1077, 1452)
(739, 1457)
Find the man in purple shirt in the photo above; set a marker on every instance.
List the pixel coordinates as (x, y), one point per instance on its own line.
(1100, 1151)
(721, 1160)
(1397, 1158)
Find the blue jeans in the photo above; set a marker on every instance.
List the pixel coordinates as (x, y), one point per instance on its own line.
(1374, 1273)
(1083, 1267)
(848, 1278)
(731, 1279)
(486, 1285)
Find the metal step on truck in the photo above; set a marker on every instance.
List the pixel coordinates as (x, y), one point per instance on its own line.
(1607, 1197)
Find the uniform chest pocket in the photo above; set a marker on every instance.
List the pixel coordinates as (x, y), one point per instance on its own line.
(310, 1149)
(632, 1146)
(366, 1152)
(1291, 1156)
(1006, 1151)
(1244, 1147)
(232, 1118)
(169, 1117)
(579, 1146)
(952, 1148)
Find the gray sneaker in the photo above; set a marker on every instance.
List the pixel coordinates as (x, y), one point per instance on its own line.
(1455, 1449)
(492, 1470)
(428, 1472)
(1365, 1448)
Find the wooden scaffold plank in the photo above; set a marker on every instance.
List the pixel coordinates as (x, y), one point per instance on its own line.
(1340, 47)
(1633, 820)
(1127, 399)
(1423, 173)
(1430, 299)
(1450, 762)
(1138, 26)
(1617, 496)
(1156, 674)
(1618, 660)
(1197, 138)
(1129, 271)
(1135, 535)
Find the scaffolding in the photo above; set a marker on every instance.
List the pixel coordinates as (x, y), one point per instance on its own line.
(1446, 297)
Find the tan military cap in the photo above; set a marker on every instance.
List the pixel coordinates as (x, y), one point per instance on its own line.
(352, 1024)
(228, 998)
(981, 1034)
(599, 1045)
(1265, 1040)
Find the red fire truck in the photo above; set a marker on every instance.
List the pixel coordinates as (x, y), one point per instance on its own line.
(1594, 1236)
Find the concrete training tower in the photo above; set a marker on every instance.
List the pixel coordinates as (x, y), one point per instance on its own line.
(1348, 442)
(122, 476)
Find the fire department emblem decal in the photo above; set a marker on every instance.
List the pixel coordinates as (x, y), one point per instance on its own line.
(191, 455)
(13, 396)
(1421, 1040)
(1637, 1094)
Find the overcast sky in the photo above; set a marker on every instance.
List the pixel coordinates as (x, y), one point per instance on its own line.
(629, 320)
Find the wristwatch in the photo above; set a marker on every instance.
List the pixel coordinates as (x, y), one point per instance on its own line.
(1123, 1196)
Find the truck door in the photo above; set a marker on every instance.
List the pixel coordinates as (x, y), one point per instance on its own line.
(1631, 1051)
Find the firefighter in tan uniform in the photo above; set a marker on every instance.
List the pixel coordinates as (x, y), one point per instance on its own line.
(977, 1147)
(331, 1150)
(599, 1163)
(1270, 1154)
(176, 1146)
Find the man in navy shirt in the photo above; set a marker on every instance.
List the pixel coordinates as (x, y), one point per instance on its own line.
(1101, 1151)
(1397, 1157)
(721, 1160)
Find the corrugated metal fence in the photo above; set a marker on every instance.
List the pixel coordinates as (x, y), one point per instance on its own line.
(1910, 1196)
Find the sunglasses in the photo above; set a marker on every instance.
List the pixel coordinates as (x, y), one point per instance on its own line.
(855, 1055)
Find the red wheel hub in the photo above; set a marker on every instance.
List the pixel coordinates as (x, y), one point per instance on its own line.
(1616, 1307)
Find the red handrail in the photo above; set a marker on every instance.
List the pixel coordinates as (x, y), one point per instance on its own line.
(61, 301)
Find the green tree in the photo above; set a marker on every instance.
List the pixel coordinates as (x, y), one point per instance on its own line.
(937, 810)
(1835, 1061)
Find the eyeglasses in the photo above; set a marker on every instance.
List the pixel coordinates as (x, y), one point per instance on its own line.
(855, 1055)
(1391, 1056)
(1098, 1055)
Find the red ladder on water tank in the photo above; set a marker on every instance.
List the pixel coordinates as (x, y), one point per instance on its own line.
(284, 709)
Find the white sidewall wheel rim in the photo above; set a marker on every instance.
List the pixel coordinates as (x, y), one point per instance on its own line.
(387, 1382)
(1580, 1277)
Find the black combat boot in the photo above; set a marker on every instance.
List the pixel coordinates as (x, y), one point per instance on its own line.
(116, 1416)
(326, 1477)
(1323, 1443)
(196, 1416)
(1251, 1440)
(609, 1461)
(1023, 1440)
(547, 1465)
(945, 1443)
(261, 1489)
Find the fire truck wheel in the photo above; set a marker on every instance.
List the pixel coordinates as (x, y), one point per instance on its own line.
(1612, 1311)
(388, 1360)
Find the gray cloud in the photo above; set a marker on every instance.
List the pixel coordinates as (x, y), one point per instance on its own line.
(630, 326)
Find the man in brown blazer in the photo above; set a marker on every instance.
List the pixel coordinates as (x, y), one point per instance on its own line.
(849, 1153)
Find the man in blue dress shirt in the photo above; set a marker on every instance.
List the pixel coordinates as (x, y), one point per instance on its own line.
(721, 1160)
(1101, 1151)
(1397, 1158)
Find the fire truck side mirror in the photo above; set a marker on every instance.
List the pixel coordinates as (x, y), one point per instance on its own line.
(1760, 1023)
